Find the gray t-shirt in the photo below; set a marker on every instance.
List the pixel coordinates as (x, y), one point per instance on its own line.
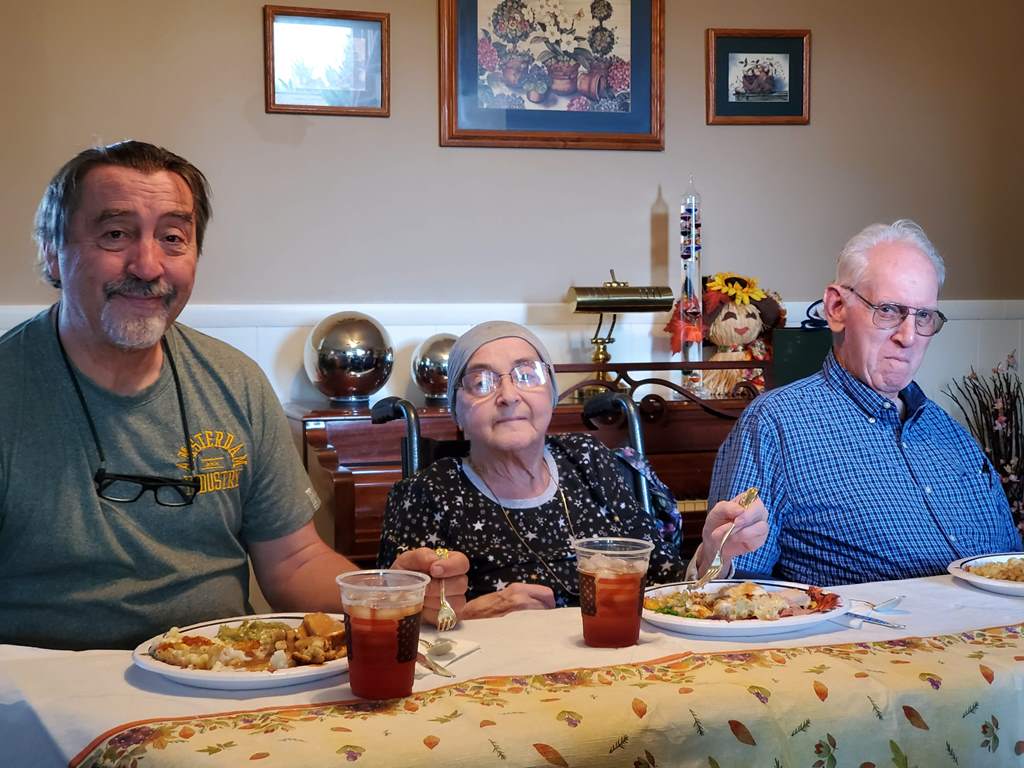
(77, 571)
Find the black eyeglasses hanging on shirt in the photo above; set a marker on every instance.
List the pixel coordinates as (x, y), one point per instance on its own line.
(168, 491)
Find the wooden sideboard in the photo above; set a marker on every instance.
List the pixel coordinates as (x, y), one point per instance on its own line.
(353, 463)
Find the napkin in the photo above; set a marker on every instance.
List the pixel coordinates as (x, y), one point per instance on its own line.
(460, 647)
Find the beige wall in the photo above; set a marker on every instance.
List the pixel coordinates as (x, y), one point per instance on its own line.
(914, 112)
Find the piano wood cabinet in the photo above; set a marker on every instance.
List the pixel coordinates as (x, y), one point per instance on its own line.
(353, 463)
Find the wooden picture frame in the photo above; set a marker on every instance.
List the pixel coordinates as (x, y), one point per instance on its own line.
(758, 76)
(509, 80)
(319, 61)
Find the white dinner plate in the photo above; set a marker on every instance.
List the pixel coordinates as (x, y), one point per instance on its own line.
(237, 679)
(739, 627)
(1003, 586)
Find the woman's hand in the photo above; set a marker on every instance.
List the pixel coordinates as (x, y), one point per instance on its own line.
(751, 531)
(452, 570)
(517, 596)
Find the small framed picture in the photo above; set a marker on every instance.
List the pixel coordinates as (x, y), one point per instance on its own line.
(560, 74)
(758, 76)
(319, 61)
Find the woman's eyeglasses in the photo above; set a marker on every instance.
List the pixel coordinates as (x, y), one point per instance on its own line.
(482, 382)
(927, 322)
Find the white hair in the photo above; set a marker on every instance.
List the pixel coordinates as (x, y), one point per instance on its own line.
(853, 260)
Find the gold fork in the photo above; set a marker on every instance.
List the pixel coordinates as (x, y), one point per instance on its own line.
(715, 568)
(446, 618)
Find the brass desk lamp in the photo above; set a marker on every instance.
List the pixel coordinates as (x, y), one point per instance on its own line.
(615, 296)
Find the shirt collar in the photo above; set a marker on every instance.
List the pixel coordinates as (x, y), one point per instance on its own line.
(864, 397)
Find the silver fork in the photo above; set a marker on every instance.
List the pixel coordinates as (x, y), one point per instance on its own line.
(716, 563)
(446, 618)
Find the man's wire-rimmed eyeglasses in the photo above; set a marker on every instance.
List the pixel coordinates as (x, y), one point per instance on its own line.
(168, 491)
(888, 315)
(526, 375)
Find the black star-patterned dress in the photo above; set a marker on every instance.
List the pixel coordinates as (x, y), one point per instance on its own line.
(446, 505)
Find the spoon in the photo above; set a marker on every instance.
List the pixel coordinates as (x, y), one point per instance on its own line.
(441, 647)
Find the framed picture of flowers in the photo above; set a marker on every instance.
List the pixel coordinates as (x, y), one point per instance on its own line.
(565, 74)
(758, 76)
(325, 62)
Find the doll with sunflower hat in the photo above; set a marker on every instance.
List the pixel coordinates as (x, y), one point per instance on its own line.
(737, 315)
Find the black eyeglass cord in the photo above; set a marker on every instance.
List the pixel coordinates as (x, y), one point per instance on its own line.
(88, 415)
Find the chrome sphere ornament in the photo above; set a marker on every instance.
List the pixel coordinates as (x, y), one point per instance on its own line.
(430, 367)
(348, 356)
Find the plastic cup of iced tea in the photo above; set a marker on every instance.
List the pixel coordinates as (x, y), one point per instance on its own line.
(382, 630)
(613, 573)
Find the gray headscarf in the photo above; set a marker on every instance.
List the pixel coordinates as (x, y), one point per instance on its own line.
(484, 333)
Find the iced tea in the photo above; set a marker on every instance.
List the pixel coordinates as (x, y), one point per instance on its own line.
(618, 602)
(613, 573)
(382, 630)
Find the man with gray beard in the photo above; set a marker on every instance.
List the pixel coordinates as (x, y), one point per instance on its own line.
(142, 463)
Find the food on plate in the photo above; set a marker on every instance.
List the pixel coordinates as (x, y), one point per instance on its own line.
(746, 600)
(255, 646)
(1011, 570)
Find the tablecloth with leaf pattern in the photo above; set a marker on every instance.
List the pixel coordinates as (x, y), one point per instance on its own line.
(948, 700)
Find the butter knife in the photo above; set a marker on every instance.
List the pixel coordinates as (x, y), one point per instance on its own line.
(433, 666)
(873, 620)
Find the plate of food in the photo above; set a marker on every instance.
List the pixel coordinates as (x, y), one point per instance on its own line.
(245, 652)
(1002, 572)
(737, 608)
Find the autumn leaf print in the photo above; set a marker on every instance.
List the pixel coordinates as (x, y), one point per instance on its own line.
(550, 754)
(187, 732)
(820, 690)
(570, 718)
(485, 723)
(639, 708)
(932, 679)
(914, 718)
(351, 752)
(739, 730)
(759, 693)
(431, 741)
(259, 755)
(987, 673)
(410, 706)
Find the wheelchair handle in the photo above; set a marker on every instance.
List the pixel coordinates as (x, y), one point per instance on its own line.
(391, 408)
(607, 403)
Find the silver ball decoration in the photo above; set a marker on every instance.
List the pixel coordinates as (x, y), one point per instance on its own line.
(348, 356)
(430, 367)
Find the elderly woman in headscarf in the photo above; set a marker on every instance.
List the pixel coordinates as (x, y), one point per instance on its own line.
(515, 504)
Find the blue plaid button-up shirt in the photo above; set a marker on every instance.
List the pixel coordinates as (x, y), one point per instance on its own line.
(855, 494)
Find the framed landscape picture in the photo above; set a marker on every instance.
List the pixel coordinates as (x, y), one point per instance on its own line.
(324, 62)
(758, 76)
(568, 74)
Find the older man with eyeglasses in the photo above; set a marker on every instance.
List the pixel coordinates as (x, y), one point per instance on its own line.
(143, 464)
(864, 477)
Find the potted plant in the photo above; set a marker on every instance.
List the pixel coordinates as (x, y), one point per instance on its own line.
(512, 25)
(536, 84)
(562, 53)
(993, 409)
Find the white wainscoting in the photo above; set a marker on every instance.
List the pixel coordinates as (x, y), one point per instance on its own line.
(979, 334)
